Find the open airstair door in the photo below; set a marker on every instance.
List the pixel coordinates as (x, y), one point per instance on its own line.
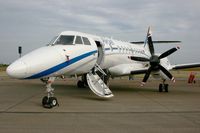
(96, 84)
(100, 49)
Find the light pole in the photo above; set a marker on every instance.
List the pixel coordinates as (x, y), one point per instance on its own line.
(20, 51)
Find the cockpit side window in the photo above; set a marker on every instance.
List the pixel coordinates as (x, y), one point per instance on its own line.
(53, 40)
(65, 40)
(86, 41)
(78, 40)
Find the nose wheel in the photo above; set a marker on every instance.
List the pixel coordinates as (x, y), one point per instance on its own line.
(49, 101)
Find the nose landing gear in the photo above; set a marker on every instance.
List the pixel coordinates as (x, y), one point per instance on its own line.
(49, 101)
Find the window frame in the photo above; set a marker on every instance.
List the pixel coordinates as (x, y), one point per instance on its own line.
(81, 40)
(87, 39)
(55, 42)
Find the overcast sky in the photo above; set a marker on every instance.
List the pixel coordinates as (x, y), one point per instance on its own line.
(33, 23)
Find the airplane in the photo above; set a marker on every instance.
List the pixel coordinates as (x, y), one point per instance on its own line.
(93, 60)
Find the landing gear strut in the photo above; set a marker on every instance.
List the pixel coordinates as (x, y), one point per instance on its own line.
(163, 87)
(49, 101)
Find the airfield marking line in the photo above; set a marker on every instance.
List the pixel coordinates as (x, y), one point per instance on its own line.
(151, 99)
(128, 112)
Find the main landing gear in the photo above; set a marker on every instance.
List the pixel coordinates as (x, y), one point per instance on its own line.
(80, 84)
(163, 87)
(83, 82)
(49, 101)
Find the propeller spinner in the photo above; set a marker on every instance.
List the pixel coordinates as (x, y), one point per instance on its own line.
(154, 60)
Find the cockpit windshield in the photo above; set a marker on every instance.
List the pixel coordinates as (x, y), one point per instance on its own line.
(65, 40)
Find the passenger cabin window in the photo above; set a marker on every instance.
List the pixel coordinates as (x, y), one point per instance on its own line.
(65, 40)
(78, 40)
(86, 41)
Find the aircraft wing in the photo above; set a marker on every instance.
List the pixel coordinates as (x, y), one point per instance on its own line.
(142, 42)
(141, 71)
(174, 67)
(185, 66)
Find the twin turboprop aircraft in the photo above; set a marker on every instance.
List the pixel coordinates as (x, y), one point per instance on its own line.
(95, 59)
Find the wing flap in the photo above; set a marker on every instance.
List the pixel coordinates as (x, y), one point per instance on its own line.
(142, 71)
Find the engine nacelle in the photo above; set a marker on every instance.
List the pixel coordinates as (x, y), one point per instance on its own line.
(159, 74)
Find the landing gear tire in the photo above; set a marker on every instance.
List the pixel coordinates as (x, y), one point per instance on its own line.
(160, 88)
(166, 87)
(44, 100)
(80, 84)
(84, 79)
(49, 102)
(53, 101)
(163, 87)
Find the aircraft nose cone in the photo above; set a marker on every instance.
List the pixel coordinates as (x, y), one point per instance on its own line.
(18, 69)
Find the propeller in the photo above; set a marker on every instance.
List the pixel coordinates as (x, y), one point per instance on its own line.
(154, 60)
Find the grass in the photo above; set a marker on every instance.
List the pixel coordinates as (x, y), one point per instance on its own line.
(3, 67)
(192, 69)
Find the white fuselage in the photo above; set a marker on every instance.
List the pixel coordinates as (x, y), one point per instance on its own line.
(77, 59)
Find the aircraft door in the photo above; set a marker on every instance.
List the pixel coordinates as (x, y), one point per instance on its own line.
(94, 80)
(100, 51)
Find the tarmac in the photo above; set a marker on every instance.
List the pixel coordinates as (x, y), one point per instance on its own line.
(132, 109)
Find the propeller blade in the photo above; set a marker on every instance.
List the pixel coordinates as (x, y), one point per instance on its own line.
(147, 75)
(139, 58)
(150, 42)
(167, 53)
(166, 72)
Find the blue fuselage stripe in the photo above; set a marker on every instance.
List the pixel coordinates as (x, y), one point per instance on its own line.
(61, 66)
